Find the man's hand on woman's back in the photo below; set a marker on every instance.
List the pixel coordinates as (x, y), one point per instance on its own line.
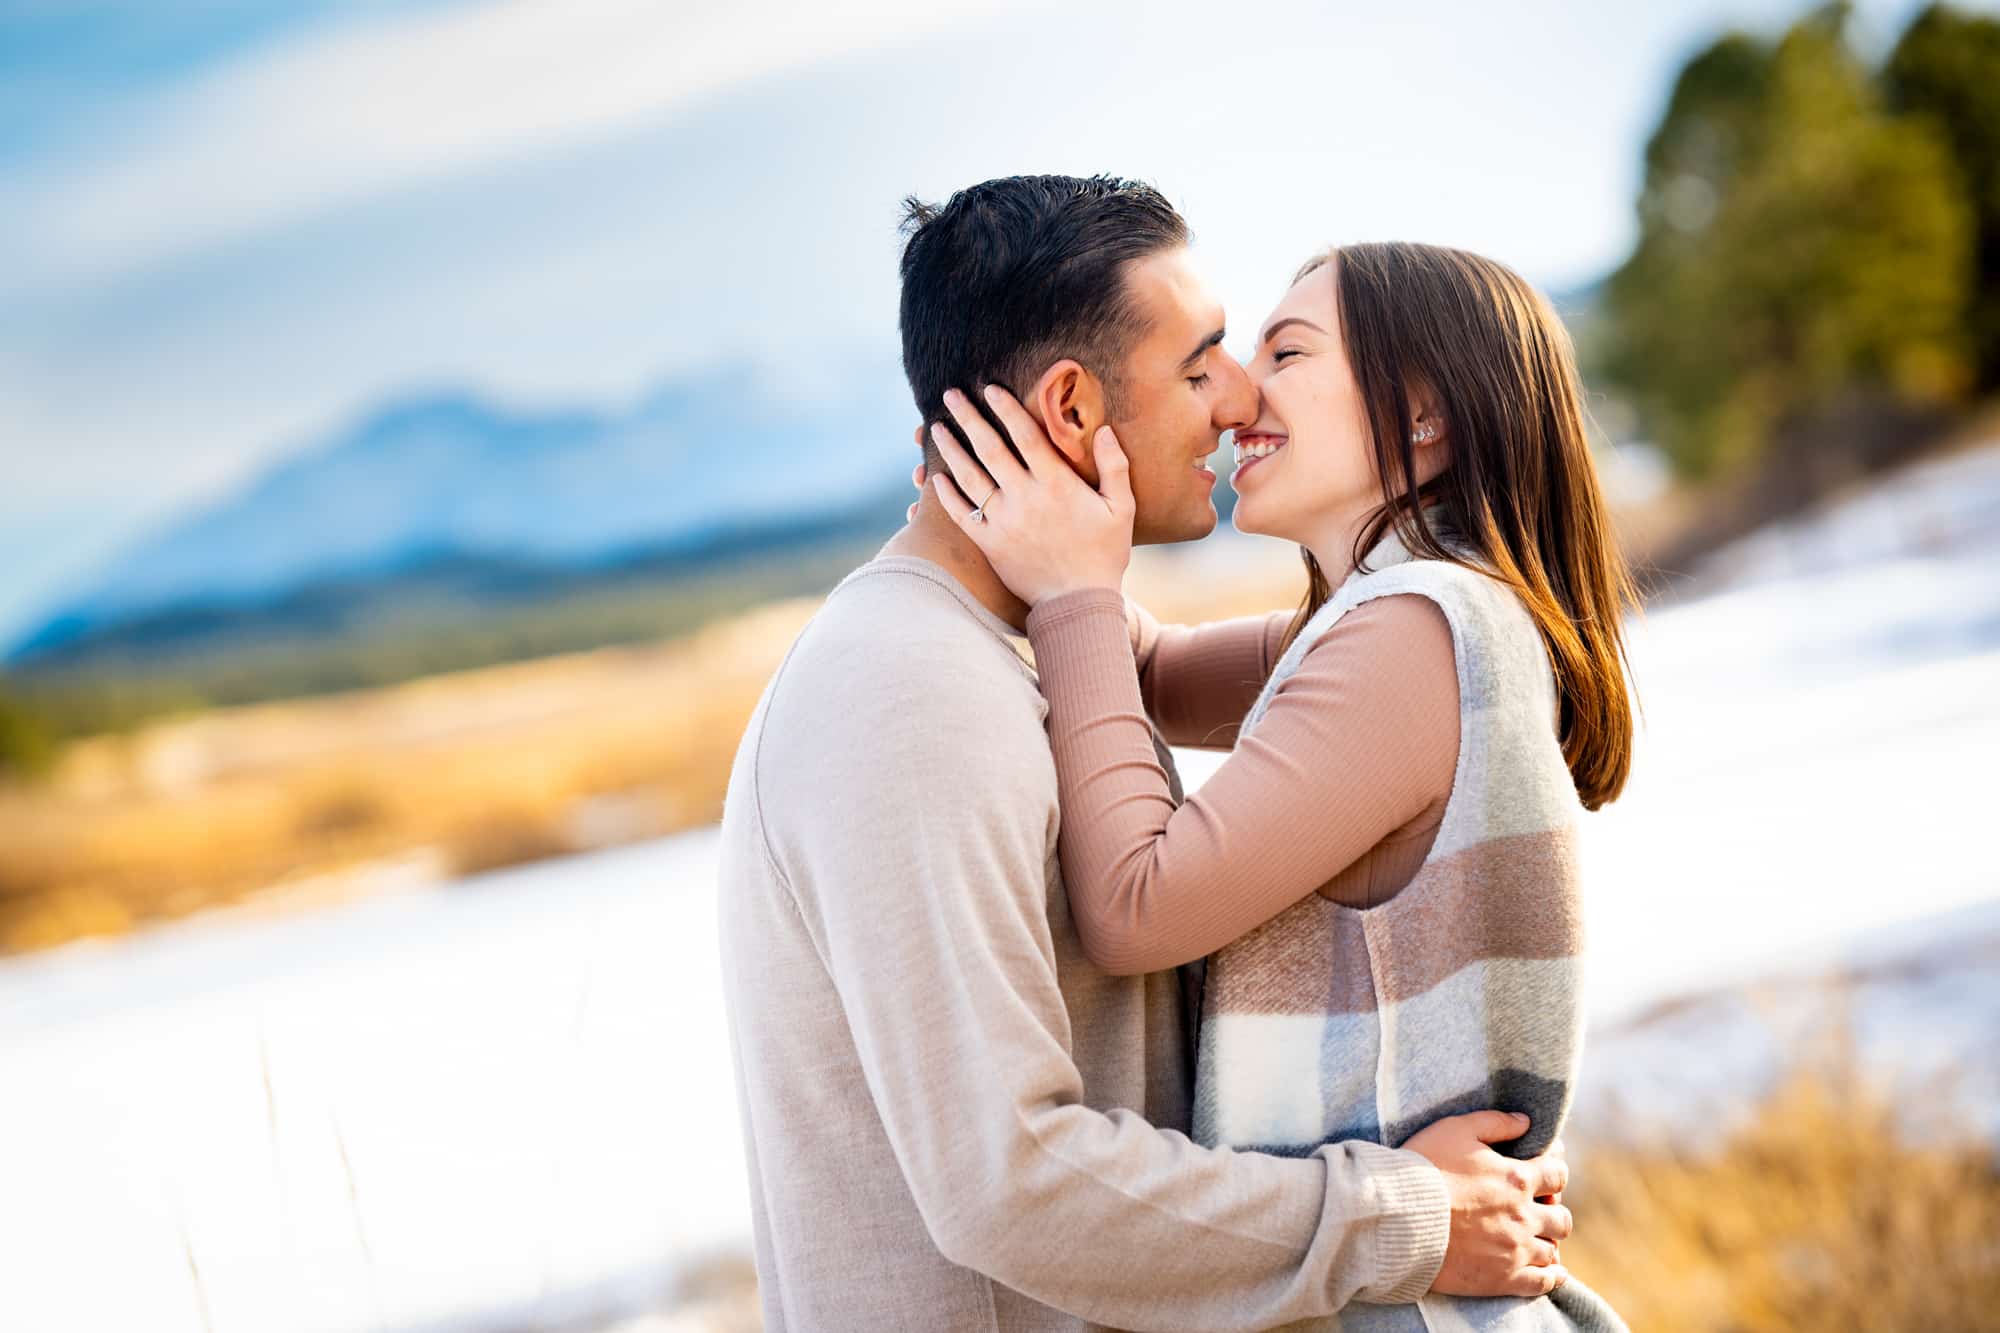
(1507, 1216)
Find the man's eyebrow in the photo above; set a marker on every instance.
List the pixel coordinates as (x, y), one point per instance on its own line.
(1272, 332)
(1212, 340)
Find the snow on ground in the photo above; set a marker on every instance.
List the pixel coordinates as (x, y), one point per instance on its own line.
(1916, 1008)
(485, 1097)
(514, 1094)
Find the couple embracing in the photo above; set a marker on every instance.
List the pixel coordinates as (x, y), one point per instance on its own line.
(1025, 1039)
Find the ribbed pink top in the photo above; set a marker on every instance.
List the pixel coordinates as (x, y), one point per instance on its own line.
(1339, 790)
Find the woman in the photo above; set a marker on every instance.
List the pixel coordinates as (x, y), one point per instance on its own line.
(1383, 874)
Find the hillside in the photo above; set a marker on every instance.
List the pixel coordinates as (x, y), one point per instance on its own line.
(452, 505)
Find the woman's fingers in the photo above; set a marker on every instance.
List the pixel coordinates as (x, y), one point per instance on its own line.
(973, 480)
(1114, 472)
(1556, 1221)
(960, 509)
(994, 456)
(1025, 431)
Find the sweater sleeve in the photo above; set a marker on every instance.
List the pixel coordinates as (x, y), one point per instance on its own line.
(1198, 681)
(1355, 744)
(925, 890)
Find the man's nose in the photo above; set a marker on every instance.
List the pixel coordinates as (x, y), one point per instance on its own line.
(1238, 404)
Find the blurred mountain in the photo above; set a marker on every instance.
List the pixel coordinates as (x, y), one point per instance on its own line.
(471, 501)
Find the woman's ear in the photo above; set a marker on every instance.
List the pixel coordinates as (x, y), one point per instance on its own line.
(1427, 420)
(1430, 436)
(1431, 433)
(1069, 402)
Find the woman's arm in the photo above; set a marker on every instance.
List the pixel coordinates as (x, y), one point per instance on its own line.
(1197, 681)
(1353, 747)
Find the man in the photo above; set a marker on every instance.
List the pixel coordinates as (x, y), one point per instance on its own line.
(952, 1119)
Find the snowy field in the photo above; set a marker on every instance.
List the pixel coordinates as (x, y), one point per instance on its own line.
(505, 1100)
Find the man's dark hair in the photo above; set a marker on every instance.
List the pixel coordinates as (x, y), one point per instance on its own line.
(1014, 274)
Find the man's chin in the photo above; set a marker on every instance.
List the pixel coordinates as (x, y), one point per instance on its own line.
(1189, 528)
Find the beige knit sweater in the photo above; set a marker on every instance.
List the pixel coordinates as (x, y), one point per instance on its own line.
(953, 1120)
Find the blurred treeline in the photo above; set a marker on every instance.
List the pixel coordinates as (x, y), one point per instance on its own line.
(1815, 293)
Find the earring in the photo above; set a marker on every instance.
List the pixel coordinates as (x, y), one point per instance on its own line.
(1423, 434)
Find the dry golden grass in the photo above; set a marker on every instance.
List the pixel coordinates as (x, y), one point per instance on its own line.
(1819, 1214)
(483, 768)
(475, 769)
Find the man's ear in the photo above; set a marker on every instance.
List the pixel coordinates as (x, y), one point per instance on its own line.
(1069, 402)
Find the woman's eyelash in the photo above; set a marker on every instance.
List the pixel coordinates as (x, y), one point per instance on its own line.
(1282, 354)
(1199, 381)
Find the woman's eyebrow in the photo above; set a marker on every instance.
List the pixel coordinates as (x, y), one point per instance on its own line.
(1272, 332)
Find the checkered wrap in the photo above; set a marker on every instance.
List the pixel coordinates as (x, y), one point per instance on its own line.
(1460, 993)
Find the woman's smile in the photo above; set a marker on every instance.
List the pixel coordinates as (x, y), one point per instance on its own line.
(1252, 447)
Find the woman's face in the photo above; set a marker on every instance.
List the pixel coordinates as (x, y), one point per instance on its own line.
(1306, 467)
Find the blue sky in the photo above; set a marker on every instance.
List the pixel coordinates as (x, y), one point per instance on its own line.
(227, 229)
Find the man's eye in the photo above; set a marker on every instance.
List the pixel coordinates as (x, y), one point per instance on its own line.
(1199, 381)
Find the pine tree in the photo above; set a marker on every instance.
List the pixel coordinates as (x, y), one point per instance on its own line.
(1802, 251)
(1946, 69)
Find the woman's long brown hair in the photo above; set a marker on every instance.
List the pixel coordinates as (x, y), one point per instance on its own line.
(1520, 493)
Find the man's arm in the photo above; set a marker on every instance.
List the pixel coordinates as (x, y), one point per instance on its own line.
(918, 856)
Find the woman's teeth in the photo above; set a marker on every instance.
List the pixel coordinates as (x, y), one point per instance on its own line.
(1246, 453)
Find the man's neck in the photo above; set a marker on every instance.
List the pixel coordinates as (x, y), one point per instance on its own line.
(934, 537)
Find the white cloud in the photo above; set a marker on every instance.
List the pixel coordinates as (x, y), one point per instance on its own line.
(370, 107)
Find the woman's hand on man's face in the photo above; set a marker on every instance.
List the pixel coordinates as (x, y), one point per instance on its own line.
(1043, 528)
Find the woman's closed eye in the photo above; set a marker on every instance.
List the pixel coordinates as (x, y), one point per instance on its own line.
(1278, 357)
